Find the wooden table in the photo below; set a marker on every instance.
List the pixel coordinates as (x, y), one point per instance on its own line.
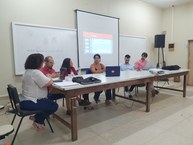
(171, 74)
(157, 77)
(126, 78)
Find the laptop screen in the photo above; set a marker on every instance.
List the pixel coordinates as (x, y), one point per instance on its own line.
(112, 71)
(63, 73)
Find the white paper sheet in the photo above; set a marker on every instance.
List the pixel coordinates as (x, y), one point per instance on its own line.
(65, 83)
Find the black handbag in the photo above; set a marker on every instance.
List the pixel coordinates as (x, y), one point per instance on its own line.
(86, 81)
(171, 67)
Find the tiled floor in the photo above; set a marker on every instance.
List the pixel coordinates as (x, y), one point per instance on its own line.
(170, 122)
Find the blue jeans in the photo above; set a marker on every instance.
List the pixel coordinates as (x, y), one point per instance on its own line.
(97, 95)
(55, 96)
(126, 89)
(45, 105)
(107, 94)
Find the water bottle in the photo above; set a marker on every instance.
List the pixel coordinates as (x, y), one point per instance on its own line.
(70, 76)
(79, 71)
(160, 65)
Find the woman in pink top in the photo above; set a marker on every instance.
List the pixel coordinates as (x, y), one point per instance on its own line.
(141, 64)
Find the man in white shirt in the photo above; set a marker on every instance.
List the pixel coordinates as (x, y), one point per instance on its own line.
(126, 66)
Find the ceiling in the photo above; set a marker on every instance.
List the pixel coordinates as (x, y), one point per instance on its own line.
(166, 3)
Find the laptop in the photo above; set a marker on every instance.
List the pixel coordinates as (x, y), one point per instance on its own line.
(62, 72)
(112, 71)
(150, 65)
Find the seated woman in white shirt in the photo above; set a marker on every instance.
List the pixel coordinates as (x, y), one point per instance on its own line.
(34, 90)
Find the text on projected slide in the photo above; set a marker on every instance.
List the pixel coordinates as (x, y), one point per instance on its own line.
(98, 43)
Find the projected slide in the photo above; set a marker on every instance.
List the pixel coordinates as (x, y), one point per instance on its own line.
(98, 43)
(97, 34)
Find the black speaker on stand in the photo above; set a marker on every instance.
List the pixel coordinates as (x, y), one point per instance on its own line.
(160, 44)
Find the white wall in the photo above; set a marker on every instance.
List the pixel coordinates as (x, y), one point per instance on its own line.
(183, 31)
(136, 18)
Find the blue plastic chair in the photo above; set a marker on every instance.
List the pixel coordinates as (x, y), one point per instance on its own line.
(88, 71)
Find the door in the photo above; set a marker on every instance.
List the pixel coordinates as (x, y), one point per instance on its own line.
(190, 62)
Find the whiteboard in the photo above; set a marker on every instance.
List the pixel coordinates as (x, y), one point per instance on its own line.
(134, 46)
(49, 41)
(61, 43)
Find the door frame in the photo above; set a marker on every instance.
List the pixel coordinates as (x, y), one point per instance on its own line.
(189, 41)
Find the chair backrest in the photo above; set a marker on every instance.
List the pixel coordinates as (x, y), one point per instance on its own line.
(14, 98)
(88, 71)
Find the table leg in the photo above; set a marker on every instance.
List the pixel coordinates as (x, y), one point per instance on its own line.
(74, 129)
(184, 86)
(68, 105)
(148, 95)
(113, 94)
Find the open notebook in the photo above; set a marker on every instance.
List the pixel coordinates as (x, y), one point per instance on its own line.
(65, 83)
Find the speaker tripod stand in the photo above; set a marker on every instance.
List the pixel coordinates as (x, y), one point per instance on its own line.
(164, 64)
(158, 63)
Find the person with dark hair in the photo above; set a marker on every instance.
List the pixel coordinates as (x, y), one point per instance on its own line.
(141, 65)
(124, 67)
(48, 71)
(34, 90)
(34, 61)
(98, 67)
(68, 64)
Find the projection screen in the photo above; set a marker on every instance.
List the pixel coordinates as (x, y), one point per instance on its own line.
(97, 34)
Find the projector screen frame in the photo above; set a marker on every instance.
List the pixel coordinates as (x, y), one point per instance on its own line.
(78, 49)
